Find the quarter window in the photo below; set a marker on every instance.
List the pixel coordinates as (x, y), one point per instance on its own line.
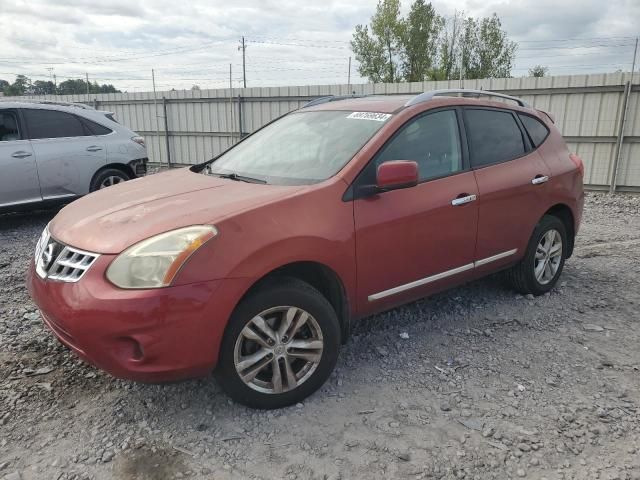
(8, 127)
(433, 141)
(96, 128)
(53, 124)
(535, 128)
(494, 136)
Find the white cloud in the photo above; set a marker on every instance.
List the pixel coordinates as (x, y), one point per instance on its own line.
(289, 42)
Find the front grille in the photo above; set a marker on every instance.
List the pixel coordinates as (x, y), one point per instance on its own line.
(56, 261)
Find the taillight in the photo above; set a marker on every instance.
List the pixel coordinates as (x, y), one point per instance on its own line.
(139, 140)
(579, 164)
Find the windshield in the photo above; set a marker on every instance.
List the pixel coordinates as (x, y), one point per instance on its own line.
(300, 148)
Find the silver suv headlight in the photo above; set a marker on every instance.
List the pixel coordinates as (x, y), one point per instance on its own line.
(154, 262)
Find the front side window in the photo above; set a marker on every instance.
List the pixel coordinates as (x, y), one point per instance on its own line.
(494, 136)
(52, 124)
(301, 148)
(432, 141)
(9, 127)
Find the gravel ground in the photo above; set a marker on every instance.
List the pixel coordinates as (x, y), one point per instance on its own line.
(474, 383)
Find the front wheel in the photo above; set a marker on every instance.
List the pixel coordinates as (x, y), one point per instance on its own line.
(280, 346)
(539, 270)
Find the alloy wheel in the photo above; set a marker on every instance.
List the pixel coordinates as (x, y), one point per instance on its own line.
(111, 180)
(278, 349)
(548, 256)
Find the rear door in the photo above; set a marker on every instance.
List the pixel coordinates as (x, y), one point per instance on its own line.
(18, 171)
(413, 241)
(66, 152)
(512, 181)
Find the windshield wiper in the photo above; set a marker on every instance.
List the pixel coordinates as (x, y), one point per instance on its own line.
(239, 178)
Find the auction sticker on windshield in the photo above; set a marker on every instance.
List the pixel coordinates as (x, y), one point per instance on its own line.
(378, 117)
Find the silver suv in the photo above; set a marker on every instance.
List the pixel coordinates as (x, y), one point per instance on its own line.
(55, 152)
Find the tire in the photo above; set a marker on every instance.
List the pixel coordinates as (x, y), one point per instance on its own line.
(108, 175)
(522, 276)
(288, 307)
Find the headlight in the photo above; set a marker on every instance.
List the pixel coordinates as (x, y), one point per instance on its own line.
(154, 262)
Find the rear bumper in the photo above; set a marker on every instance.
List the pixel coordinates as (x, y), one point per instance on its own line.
(146, 335)
(139, 166)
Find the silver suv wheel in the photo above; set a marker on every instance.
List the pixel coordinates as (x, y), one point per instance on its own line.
(111, 180)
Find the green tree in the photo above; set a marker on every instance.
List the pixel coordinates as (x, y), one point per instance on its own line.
(538, 71)
(450, 40)
(378, 52)
(420, 37)
(3, 84)
(476, 48)
(426, 46)
(79, 86)
(21, 86)
(491, 52)
(41, 87)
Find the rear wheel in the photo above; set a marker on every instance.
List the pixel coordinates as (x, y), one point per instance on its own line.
(107, 178)
(280, 346)
(539, 270)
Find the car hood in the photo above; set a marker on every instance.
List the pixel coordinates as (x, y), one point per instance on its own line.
(112, 219)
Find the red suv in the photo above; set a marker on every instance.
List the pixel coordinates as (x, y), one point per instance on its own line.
(257, 261)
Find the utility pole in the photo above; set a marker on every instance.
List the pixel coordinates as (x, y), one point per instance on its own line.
(625, 108)
(349, 77)
(52, 78)
(461, 65)
(87, 77)
(231, 101)
(243, 47)
(453, 42)
(155, 107)
(635, 54)
(55, 84)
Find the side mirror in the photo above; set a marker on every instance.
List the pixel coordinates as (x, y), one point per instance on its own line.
(397, 174)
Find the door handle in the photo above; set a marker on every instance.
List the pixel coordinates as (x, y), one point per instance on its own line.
(21, 154)
(461, 200)
(540, 179)
(94, 148)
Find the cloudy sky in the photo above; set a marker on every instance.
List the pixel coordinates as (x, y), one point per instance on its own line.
(288, 42)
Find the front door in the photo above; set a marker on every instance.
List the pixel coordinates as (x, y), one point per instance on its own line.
(18, 171)
(413, 241)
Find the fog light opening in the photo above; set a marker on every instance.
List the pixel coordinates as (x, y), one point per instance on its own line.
(131, 349)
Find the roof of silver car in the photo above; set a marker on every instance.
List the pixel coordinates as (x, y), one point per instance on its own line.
(46, 102)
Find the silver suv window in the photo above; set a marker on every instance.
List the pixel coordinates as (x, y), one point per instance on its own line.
(53, 124)
(9, 126)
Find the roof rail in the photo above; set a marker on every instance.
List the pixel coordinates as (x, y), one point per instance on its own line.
(426, 96)
(330, 98)
(47, 102)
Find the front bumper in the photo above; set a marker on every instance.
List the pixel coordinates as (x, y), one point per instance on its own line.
(152, 335)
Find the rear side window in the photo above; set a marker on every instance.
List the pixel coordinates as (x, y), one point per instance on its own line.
(53, 124)
(96, 128)
(8, 126)
(535, 128)
(432, 141)
(494, 136)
